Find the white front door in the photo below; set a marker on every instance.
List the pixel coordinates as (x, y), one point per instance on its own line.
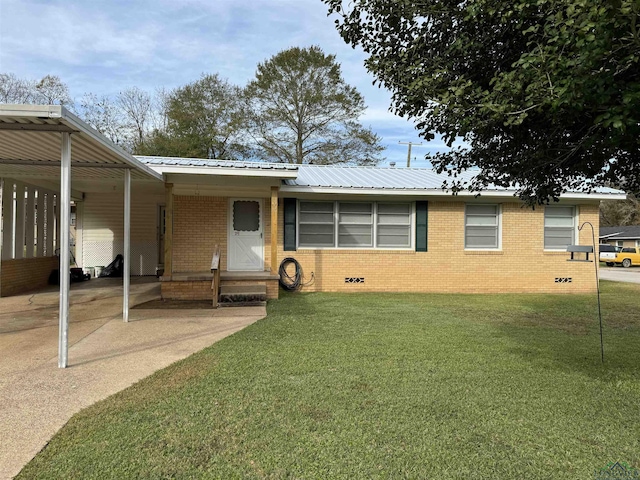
(246, 248)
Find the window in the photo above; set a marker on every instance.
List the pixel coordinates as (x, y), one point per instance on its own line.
(354, 225)
(394, 225)
(316, 224)
(628, 250)
(559, 227)
(482, 227)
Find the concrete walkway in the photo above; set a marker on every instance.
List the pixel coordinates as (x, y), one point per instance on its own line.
(619, 274)
(105, 355)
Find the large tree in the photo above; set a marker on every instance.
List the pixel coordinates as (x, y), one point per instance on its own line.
(544, 93)
(204, 119)
(621, 212)
(105, 116)
(137, 107)
(303, 111)
(14, 89)
(51, 90)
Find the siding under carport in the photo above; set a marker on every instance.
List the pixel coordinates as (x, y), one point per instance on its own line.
(102, 230)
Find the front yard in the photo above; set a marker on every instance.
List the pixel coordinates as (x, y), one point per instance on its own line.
(381, 386)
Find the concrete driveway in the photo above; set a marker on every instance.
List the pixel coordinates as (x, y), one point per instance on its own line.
(105, 354)
(619, 274)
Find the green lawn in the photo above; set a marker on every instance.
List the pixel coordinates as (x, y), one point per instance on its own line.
(381, 386)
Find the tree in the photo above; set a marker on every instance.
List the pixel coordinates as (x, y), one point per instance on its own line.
(545, 94)
(302, 111)
(14, 89)
(620, 213)
(204, 120)
(137, 108)
(51, 90)
(105, 116)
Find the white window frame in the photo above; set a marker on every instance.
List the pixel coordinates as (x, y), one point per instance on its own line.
(412, 233)
(374, 218)
(298, 224)
(336, 212)
(499, 218)
(576, 223)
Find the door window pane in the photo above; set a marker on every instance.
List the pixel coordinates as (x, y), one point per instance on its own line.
(246, 216)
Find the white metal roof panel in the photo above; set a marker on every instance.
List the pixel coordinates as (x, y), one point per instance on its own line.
(392, 179)
(213, 163)
(369, 177)
(30, 145)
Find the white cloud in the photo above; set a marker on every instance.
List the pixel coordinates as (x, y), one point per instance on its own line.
(104, 47)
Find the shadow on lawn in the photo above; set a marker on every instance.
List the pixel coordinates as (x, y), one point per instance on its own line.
(565, 332)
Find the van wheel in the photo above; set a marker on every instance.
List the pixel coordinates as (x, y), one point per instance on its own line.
(609, 264)
(626, 263)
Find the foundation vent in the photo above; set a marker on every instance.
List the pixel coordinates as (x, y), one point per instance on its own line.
(354, 280)
(564, 279)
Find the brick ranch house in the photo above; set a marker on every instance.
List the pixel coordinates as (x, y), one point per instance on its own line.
(352, 229)
(621, 236)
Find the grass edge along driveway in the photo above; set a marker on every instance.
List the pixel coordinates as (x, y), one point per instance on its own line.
(381, 386)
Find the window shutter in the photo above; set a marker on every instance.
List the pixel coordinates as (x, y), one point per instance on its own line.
(289, 224)
(421, 226)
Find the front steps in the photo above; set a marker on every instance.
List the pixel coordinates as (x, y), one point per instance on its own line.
(242, 295)
(237, 288)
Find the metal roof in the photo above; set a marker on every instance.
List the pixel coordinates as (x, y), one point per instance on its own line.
(345, 179)
(398, 180)
(331, 176)
(202, 162)
(630, 232)
(30, 146)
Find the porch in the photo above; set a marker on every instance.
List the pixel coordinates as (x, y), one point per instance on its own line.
(233, 209)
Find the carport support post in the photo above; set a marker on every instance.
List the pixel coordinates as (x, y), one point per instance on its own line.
(64, 215)
(127, 245)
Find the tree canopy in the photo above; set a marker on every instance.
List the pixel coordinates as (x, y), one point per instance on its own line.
(621, 212)
(49, 90)
(545, 94)
(301, 110)
(204, 119)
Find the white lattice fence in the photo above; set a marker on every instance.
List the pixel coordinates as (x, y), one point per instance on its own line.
(144, 255)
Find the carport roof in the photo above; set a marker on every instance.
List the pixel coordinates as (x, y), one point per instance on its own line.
(30, 137)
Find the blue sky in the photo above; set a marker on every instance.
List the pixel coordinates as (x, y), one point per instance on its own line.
(106, 46)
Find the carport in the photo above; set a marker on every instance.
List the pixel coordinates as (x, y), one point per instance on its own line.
(48, 157)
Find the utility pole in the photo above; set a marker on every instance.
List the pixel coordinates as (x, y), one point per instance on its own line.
(409, 152)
